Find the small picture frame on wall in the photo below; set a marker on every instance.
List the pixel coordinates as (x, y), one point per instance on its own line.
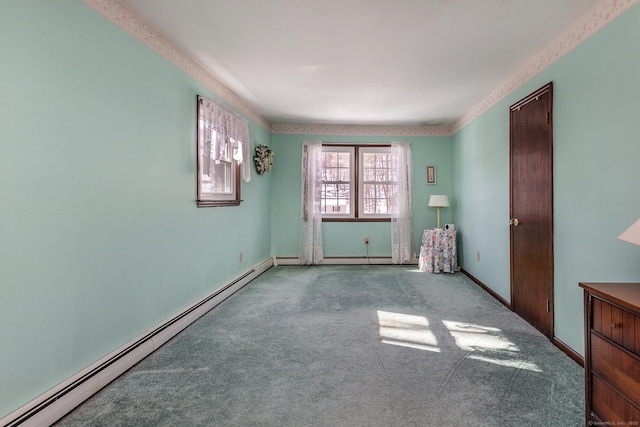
(431, 174)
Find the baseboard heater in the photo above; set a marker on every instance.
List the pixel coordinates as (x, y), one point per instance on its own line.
(57, 402)
(355, 260)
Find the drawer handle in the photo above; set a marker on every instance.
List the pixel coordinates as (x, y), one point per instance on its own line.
(614, 325)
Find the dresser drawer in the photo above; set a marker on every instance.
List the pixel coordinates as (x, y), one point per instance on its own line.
(619, 325)
(612, 353)
(616, 367)
(610, 406)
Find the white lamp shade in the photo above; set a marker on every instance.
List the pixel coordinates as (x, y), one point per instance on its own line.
(438, 201)
(632, 234)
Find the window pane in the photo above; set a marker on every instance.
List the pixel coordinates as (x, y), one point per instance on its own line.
(368, 160)
(344, 191)
(330, 174)
(345, 174)
(336, 199)
(368, 174)
(220, 180)
(328, 196)
(344, 160)
(336, 186)
(369, 198)
(378, 167)
(379, 198)
(368, 166)
(336, 166)
(330, 160)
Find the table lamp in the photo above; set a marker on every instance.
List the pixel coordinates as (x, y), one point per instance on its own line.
(631, 234)
(438, 201)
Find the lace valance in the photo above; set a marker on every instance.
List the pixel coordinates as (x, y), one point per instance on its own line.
(225, 134)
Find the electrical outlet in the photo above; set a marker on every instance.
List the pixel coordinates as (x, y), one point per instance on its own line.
(366, 240)
(240, 256)
(478, 255)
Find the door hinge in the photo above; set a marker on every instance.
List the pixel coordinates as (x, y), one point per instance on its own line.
(548, 118)
(548, 306)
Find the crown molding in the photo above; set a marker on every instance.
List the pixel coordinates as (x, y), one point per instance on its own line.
(124, 17)
(360, 130)
(601, 15)
(596, 19)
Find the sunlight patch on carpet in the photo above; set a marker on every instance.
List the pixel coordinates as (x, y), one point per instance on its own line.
(488, 345)
(511, 363)
(407, 331)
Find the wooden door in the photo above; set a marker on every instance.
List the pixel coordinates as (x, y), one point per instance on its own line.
(531, 186)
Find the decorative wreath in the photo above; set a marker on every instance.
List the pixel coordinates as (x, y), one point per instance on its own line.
(263, 159)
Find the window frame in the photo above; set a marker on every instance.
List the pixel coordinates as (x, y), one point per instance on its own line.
(356, 215)
(352, 169)
(365, 149)
(213, 199)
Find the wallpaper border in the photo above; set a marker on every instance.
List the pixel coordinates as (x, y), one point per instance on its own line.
(596, 19)
(360, 130)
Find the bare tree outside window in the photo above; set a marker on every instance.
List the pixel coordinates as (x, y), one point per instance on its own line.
(379, 182)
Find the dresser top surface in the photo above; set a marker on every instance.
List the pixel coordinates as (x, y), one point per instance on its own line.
(624, 294)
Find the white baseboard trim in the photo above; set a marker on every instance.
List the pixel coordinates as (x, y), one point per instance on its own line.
(342, 261)
(54, 404)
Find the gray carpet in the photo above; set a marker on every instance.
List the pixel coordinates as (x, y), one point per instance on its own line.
(349, 346)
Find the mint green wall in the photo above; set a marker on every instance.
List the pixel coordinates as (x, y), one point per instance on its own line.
(596, 149)
(346, 239)
(100, 237)
(481, 189)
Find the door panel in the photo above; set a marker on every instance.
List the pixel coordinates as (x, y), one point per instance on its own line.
(531, 185)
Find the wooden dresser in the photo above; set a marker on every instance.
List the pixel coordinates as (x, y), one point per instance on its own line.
(612, 353)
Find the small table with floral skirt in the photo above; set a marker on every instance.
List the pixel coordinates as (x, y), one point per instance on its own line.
(438, 251)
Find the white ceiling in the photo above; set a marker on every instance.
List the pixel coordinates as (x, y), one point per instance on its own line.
(365, 62)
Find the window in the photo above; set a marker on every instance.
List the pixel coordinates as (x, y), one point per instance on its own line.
(222, 140)
(221, 186)
(359, 183)
(378, 182)
(338, 174)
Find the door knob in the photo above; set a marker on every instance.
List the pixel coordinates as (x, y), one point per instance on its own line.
(514, 221)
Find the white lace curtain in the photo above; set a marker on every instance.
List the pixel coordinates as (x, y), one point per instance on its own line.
(401, 230)
(220, 126)
(310, 249)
